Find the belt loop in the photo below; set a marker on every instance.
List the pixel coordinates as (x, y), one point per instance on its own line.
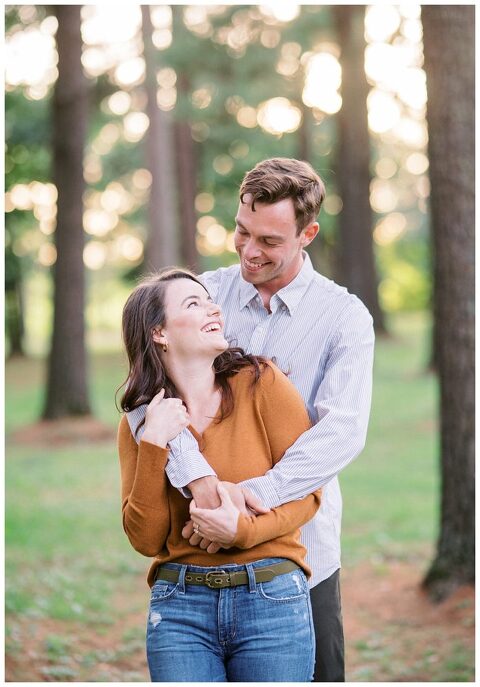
(181, 579)
(252, 584)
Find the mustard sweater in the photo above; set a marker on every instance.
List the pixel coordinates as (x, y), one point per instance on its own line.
(265, 422)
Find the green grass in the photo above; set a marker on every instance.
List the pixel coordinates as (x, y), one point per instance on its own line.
(65, 547)
(24, 388)
(390, 492)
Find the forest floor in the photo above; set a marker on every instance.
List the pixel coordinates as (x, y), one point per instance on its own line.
(394, 633)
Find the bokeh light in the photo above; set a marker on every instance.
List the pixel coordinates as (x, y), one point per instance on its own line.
(130, 247)
(94, 255)
(103, 24)
(135, 124)
(204, 202)
(416, 163)
(322, 80)
(390, 228)
(282, 11)
(30, 58)
(223, 164)
(119, 102)
(386, 168)
(279, 116)
(47, 254)
(381, 22)
(383, 197)
(383, 111)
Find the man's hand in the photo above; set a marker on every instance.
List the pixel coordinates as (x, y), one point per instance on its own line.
(204, 491)
(242, 498)
(205, 495)
(219, 524)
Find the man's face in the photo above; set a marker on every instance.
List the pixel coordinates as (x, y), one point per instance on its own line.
(267, 243)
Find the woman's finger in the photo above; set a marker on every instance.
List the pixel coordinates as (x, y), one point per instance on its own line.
(158, 397)
(195, 539)
(187, 530)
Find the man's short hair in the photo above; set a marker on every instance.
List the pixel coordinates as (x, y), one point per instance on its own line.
(281, 177)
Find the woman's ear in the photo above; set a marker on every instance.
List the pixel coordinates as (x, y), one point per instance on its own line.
(158, 335)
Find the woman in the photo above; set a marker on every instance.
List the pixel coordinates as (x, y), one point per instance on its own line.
(241, 614)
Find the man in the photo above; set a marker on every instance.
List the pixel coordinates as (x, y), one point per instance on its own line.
(276, 305)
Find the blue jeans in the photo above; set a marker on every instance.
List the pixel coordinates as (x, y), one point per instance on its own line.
(256, 632)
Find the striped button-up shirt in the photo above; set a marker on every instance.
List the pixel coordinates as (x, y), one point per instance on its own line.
(322, 337)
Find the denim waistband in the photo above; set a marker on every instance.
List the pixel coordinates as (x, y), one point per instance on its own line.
(262, 562)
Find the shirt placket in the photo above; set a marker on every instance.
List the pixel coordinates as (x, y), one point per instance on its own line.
(262, 332)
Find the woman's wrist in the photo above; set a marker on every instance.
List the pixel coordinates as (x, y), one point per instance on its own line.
(154, 438)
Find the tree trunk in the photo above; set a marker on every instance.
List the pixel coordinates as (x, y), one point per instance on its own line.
(67, 367)
(356, 261)
(187, 183)
(161, 248)
(304, 147)
(14, 310)
(305, 132)
(185, 154)
(449, 61)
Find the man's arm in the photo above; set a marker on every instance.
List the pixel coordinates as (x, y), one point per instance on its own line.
(342, 404)
(187, 467)
(189, 472)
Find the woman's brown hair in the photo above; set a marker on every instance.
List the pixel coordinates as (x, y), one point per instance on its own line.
(143, 312)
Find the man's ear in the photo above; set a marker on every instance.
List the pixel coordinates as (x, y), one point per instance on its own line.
(310, 232)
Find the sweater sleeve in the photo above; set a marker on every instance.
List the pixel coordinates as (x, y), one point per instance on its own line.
(284, 418)
(253, 530)
(145, 510)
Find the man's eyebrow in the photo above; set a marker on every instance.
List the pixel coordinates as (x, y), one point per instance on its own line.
(274, 237)
(209, 298)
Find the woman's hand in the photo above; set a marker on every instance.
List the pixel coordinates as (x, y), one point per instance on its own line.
(165, 418)
(218, 525)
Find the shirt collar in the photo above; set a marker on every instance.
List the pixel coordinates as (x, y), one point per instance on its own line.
(291, 294)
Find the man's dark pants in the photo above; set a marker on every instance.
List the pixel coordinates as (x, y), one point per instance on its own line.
(327, 619)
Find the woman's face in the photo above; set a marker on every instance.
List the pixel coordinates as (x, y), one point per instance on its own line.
(193, 322)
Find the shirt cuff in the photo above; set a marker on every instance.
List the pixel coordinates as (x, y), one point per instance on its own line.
(190, 467)
(263, 489)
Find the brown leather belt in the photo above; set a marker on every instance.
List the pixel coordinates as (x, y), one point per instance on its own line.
(218, 579)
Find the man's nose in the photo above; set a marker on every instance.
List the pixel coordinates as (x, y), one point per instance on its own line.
(251, 249)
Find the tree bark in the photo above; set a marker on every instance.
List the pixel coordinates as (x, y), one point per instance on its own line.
(161, 247)
(304, 147)
(14, 305)
(356, 261)
(187, 185)
(67, 366)
(449, 33)
(185, 154)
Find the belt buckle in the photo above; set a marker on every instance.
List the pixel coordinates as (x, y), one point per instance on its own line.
(217, 579)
